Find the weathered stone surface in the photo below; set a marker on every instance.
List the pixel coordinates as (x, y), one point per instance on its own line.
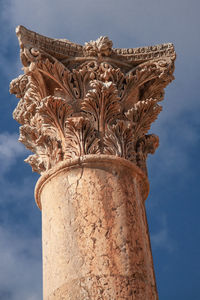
(95, 239)
(85, 113)
(79, 100)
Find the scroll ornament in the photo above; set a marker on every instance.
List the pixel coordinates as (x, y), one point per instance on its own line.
(97, 104)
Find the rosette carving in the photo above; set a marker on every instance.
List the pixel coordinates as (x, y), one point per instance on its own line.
(102, 47)
(93, 99)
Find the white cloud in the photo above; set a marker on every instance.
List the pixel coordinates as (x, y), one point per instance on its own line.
(161, 239)
(20, 264)
(128, 23)
(10, 150)
(84, 19)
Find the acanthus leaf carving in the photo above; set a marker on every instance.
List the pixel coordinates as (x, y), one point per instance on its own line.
(147, 81)
(31, 97)
(142, 115)
(45, 133)
(47, 150)
(119, 141)
(90, 99)
(54, 113)
(49, 153)
(154, 88)
(145, 145)
(102, 104)
(56, 72)
(81, 138)
(18, 86)
(37, 163)
(72, 84)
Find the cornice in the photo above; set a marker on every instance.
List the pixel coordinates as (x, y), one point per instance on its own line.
(66, 51)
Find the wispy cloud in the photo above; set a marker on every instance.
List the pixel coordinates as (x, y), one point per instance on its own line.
(161, 239)
(20, 264)
(20, 246)
(121, 19)
(81, 21)
(10, 150)
(129, 24)
(9, 65)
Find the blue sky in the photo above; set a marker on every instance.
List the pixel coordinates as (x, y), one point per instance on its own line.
(173, 205)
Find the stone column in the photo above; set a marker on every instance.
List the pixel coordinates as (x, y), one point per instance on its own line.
(85, 113)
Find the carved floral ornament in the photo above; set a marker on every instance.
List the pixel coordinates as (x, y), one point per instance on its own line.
(93, 99)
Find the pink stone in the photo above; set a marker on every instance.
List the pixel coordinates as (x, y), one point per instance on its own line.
(95, 239)
(85, 113)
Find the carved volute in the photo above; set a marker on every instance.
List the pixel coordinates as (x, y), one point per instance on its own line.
(93, 99)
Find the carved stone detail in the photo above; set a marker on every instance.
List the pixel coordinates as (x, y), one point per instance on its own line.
(78, 100)
(100, 47)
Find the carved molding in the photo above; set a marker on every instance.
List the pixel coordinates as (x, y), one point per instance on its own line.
(93, 99)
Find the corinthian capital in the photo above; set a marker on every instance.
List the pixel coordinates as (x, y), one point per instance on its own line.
(93, 99)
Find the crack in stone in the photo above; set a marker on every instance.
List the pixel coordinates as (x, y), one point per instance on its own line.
(78, 180)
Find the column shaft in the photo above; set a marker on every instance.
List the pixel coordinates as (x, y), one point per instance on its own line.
(95, 236)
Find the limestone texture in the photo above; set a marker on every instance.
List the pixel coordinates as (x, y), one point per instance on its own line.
(85, 113)
(95, 236)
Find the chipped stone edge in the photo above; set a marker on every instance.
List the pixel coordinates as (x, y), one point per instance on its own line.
(85, 160)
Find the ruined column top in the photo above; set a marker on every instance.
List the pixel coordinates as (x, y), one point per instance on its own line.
(68, 52)
(86, 100)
